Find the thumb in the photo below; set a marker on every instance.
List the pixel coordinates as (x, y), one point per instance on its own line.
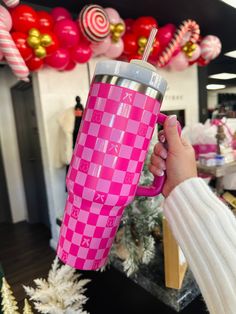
(171, 133)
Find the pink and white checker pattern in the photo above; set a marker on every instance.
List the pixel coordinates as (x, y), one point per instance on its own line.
(108, 158)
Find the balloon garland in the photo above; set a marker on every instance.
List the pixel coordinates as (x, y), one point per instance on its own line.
(31, 40)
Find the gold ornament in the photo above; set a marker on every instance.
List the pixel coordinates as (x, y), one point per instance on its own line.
(120, 28)
(40, 52)
(33, 41)
(9, 304)
(189, 48)
(34, 32)
(142, 41)
(27, 308)
(45, 40)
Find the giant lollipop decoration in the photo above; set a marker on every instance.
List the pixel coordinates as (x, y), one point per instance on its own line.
(8, 47)
(210, 47)
(94, 23)
(11, 3)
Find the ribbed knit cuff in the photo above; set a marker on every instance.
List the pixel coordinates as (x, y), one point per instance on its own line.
(206, 231)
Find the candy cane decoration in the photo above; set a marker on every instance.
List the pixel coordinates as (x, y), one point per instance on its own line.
(187, 26)
(9, 49)
(11, 3)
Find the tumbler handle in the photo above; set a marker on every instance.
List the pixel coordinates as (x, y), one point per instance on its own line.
(157, 185)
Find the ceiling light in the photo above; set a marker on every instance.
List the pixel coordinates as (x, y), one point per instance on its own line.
(215, 86)
(230, 2)
(231, 54)
(223, 76)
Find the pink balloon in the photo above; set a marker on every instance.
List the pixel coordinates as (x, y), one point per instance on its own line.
(70, 66)
(5, 17)
(1, 55)
(178, 63)
(196, 54)
(81, 53)
(67, 33)
(59, 59)
(114, 16)
(165, 34)
(115, 49)
(102, 47)
(60, 13)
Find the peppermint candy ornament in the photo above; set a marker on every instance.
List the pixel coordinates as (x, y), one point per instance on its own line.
(210, 47)
(94, 23)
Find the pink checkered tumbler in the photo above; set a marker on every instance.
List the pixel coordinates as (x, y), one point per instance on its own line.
(121, 113)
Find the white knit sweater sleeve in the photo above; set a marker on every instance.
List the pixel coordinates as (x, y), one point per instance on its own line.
(206, 231)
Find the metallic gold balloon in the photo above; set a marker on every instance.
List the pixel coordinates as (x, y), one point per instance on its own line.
(33, 41)
(112, 27)
(115, 36)
(34, 32)
(189, 48)
(140, 50)
(120, 28)
(45, 40)
(40, 52)
(142, 41)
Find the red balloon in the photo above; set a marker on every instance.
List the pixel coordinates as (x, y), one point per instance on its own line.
(130, 44)
(54, 44)
(202, 62)
(165, 34)
(34, 63)
(156, 48)
(71, 65)
(45, 21)
(20, 40)
(81, 53)
(135, 56)
(24, 18)
(67, 33)
(128, 24)
(143, 25)
(59, 59)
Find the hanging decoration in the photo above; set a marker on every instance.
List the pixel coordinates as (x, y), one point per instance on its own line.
(31, 40)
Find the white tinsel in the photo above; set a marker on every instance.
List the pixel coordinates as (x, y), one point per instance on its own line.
(61, 293)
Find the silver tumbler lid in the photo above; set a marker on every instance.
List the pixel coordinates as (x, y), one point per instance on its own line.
(136, 70)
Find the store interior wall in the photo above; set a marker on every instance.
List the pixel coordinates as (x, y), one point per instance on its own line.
(212, 96)
(54, 92)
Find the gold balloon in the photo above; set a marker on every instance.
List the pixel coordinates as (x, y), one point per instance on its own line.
(140, 51)
(189, 48)
(40, 52)
(115, 36)
(34, 32)
(142, 41)
(120, 28)
(45, 40)
(33, 41)
(112, 27)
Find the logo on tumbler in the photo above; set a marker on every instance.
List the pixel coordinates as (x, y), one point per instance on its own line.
(64, 256)
(74, 213)
(84, 166)
(100, 198)
(113, 148)
(110, 222)
(128, 97)
(85, 242)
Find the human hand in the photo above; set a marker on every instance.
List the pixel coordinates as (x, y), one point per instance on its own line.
(178, 161)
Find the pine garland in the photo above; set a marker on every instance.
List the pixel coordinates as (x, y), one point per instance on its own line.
(9, 304)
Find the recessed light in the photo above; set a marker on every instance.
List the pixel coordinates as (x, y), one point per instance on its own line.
(230, 2)
(215, 86)
(231, 54)
(223, 76)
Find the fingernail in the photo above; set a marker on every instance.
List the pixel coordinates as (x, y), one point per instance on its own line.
(163, 154)
(162, 138)
(172, 120)
(159, 172)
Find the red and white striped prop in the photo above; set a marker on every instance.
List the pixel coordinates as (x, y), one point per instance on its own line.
(9, 49)
(11, 3)
(188, 26)
(210, 47)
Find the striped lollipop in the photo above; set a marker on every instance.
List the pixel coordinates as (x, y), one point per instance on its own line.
(94, 23)
(11, 3)
(210, 47)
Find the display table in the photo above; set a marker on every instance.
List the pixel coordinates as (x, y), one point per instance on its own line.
(218, 172)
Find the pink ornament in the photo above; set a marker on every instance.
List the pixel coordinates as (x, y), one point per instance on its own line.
(115, 50)
(60, 13)
(178, 63)
(196, 54)
(102, 47)
(11, 3)
(114, 16)
(59, 59)
(5, 17)
(81, 53)
(70, 66)
(210, 47)
(165, 34)
(67, 33)
(94, 23)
